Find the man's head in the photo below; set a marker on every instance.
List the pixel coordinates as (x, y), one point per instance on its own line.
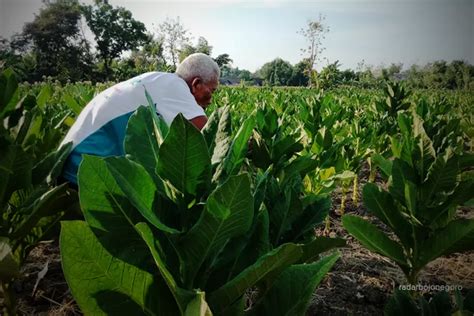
(201, 73)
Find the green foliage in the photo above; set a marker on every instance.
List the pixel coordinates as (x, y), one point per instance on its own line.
(276, 73)
(115, 31)
(425, 187)
(59, 48)
(223, 60)
(202, 46)
(30, 203)
(402, 303)
(308, 141)
(180, 223)
(175, 37)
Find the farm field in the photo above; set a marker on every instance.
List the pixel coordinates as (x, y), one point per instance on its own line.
(291, 200)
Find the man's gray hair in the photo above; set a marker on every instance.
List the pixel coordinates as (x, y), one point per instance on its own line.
(198, 65)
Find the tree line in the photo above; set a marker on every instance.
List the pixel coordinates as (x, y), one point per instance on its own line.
(54, 46)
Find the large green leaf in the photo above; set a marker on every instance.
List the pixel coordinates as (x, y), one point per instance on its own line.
(401, 174)
(50, 167)
(228, 213)
(222, 137)
(401, 303)
(265, 267)
(445, 187)
(373, 238)
(285, 208)
(139, 187)
(239, 253)
(159, 125)
(104, 204)
(238, 148)
(301, 166)
(181, 296)
(381, 204)
(457, 236)
(16, 117)
(8, 88)
(260, 152)
(291, 293)
(267, 122)
(198, 306)
(441, 214)
(141, 140)
(71, 103)
(440, 176)
(44, 95)
(209, 130)
(285, 147)
(183, 157)
(385, 165)
(109, 212)
(9, 267)
(315, 211)
(102, 284)
(52, 203)
(317, 246)
(260, 189)
(15, 171)
(425, 149)
(35, 129)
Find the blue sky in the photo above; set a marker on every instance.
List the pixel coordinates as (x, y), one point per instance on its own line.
(254, 32)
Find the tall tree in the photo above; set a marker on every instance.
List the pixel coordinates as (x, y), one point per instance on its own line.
(151, 54)
(17, 54)
(299, 77)
(223, 60)
(278, 72)
(115, 30)
(202, 46)
(147, 58)
(175, 37)
(185, 51)
(55, 40)
(314, 33)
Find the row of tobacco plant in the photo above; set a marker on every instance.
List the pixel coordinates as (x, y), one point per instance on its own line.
(222, 222)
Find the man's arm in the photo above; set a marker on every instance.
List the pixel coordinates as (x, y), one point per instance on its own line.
(199, 121)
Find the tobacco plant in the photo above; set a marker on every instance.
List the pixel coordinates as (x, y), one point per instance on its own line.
(283, 163)
(31, 204)
(174, 228)
(425, 188)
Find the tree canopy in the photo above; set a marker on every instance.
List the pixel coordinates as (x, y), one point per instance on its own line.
(55, 39)
(115, 30)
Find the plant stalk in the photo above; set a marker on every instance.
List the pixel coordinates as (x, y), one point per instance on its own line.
(372, 173)
(9, 298)
(355, 192)
(343, 200)
(327, 225)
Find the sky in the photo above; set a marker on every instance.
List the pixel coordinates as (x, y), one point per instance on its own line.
(377, 33)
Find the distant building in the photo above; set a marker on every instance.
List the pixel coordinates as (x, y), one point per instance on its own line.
(227, 81)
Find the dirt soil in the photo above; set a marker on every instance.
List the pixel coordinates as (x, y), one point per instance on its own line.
(360, 283)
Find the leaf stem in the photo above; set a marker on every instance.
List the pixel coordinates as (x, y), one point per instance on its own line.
(9, 298)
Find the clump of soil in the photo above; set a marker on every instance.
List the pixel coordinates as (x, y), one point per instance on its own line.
(51, 295)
